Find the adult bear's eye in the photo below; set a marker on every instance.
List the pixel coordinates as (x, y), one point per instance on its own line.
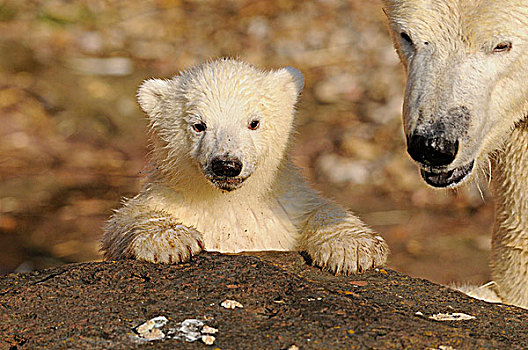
(254, 125)
(199, 127)
(503, 47)
(407, 38)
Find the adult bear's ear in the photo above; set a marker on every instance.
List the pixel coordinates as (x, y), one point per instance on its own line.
(153, 93)
(292, 78)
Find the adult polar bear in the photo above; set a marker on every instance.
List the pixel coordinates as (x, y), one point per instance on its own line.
(465, 110)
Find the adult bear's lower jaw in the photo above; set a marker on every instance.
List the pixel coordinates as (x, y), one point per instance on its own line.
(449, 178)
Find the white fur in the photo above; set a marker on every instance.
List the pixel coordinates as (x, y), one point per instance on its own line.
(456, 62)
(268, 206)
(486, 292)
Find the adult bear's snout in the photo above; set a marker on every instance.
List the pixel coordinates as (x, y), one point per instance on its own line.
(226, 166)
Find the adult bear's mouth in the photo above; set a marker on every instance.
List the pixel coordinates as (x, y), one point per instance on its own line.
(449, 178)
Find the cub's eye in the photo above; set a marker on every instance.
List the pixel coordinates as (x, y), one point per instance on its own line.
(199, 127)
(505, 46)
(407, 38)
(254, 125)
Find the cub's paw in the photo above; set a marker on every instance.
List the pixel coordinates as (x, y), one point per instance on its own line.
(165, 241)
(347, 252)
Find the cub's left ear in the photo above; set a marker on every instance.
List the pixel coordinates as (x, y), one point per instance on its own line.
(292, 78)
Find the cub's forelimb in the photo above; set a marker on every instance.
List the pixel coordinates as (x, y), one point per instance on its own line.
(150, 235)
(338, 241)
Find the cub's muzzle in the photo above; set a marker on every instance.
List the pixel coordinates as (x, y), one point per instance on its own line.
(224, 171)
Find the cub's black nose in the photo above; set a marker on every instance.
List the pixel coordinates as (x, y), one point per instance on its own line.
(226, 166)
(433, 151)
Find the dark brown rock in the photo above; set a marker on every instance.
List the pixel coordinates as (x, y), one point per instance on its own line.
(286, 302)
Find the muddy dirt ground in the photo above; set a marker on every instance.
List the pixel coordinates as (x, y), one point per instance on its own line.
(281, 303)
(72, 138)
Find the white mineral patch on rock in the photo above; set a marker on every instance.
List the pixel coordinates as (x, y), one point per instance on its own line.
(190, 330)
(208, 339)
(150, 330)
(454, 316)
(209, 330)
(231, 304)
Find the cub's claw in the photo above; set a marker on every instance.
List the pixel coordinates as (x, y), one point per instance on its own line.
(349, 253)
(166, 242)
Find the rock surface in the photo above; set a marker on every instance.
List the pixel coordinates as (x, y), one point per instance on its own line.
(285, 303)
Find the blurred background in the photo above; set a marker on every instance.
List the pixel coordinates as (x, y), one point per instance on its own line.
(73, 141)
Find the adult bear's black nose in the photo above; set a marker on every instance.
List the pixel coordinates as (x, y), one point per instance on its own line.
(226, 166)
(432, 150)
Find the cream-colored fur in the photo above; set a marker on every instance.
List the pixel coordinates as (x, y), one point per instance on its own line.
(486, 292)
(185, 207)
(467, 81)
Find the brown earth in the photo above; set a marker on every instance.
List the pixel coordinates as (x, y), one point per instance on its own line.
(72, 139)
(285, 302)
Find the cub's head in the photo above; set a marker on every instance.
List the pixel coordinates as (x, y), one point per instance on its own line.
(225, 118)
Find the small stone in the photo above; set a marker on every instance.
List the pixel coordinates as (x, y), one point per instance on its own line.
(91, 42)
(343, 170)
(145, 327)
(231, 304)
(208, 339)
(159, 321)
(150, 330)
(455, 316)
(190, 329)
(258, 27)
(209, 330)
(154, 334)
(337, 87)
(293, 347)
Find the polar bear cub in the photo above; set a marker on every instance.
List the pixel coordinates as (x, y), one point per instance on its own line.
(222, 179)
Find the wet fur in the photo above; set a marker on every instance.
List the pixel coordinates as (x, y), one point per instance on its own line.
(182, 211)
(461, 83)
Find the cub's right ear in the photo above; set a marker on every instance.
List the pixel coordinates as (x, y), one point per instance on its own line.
(292, 80)
(152, 94)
